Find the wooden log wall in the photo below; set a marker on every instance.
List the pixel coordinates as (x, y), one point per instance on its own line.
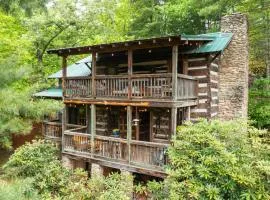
(205, 69)
(214, 78)
(145, 61)
(198, 67)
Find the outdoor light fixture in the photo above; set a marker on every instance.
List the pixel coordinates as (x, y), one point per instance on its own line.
(136, 120)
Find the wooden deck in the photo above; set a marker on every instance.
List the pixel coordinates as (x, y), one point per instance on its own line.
(134, 87)
(53, 129)
(133, 154)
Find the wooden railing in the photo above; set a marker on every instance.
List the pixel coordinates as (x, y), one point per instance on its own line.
(111, 148)
(152, 86)
(77, 140)
(187, 87)
(148, 153)
(144, 86)
(53, 129)
(112, 86)
(78, 87)
(142, 154)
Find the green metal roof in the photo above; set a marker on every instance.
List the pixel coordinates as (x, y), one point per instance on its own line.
(78, 69)
(217, 42)
(51, 93)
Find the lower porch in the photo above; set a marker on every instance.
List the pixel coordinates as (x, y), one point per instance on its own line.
(133, 138)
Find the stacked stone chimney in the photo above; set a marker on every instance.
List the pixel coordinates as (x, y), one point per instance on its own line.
(233, 72)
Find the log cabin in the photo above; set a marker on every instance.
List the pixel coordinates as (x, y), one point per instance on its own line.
(137, 92)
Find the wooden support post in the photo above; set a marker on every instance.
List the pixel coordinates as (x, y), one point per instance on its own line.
(88, 118)
(64, 124)
(93, 73)
(93, 128)
(188, 113)
(174, 71)
(130, 61)
(173, 120)
(64, 75)
(129, 130)
(138, 125)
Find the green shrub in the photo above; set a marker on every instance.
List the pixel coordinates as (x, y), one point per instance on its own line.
(31, 159)
(218, 160)
(113, 187)
(18, 190)
(51, 180)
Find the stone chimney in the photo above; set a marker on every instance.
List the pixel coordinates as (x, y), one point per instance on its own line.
(233, 72)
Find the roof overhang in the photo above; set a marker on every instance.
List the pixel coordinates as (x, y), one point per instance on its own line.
(126, 45)
(54, 93)
(204, 43)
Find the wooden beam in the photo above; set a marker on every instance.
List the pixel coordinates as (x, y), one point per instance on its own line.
(64, 75)
(88, 118)
(173, 120)
(129, 130)
(138, 125)
(64, 124)
(134, 102)
(130, 61)
(122, 46)
(188, 113)
(174, 71)
(93, 72)
(93, 127)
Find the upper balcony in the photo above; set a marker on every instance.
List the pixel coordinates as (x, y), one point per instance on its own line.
(139, 75)
(134, 87)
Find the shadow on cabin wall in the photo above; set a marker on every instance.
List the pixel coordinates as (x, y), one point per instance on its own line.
(19, 140)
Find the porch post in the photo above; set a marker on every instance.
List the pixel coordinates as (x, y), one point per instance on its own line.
(129, 131)
(188, 113)
(174, 71)
(88, 119)
(93, 127)
(130, 63)
(93, 73)
(64, 114)
(173, 120)
(64, 75)
(64, 124)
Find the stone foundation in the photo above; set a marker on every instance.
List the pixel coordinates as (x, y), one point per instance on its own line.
(233, 74)
(96, 170)
(67, 162)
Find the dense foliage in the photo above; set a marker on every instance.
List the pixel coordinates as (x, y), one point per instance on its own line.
(17, 109)
(31, 158)
(218, 160)
(259, 103)
(37, 162)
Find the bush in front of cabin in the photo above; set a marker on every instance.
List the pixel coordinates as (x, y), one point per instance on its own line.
(219, 160)
(31, 159)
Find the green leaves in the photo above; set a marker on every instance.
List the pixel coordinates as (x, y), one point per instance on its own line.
(259, 103)
(218, 160)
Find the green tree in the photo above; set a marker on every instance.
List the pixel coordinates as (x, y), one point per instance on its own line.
(258, 12)
(17, 109)
(259, 103)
